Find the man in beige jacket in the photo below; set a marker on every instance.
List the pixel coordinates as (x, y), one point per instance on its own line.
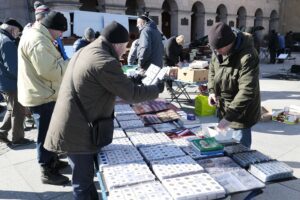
(41, 68)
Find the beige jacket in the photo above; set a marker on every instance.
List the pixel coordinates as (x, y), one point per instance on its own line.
(41, 67)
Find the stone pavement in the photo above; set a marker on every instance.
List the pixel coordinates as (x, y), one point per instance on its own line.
(20, 174)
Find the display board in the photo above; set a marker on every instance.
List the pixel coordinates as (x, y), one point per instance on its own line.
(67, 16)
(84, 19)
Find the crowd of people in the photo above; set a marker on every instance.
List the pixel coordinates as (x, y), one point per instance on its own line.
(36, 74)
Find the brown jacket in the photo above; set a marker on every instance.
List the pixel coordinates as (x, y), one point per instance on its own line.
(98, 79)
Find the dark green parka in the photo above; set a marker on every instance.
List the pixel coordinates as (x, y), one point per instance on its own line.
(235, 80)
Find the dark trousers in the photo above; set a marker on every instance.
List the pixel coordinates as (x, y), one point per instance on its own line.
(272, 56)
(83, 173)
(14, 117)
(42, 116)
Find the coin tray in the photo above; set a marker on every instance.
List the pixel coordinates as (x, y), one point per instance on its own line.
(247, 158)
(218, 165)
(128, 155)
(164, 127)
(185, 145)
(131, 124)
(139, 131)
(161, 152)
(153, 190)
(127, 117)
(238, 181)
(150, 139)
(118, 143)
(238, 148)
(197, 186)
(123, 109)
(126, 174)
(118, 133)
(271, 171)
(175, 167)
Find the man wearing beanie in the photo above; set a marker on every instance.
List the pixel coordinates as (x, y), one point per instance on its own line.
(88, 37)
(94, 77)
(41, 11)
(41, 68)
(150, 49)
(233, 81)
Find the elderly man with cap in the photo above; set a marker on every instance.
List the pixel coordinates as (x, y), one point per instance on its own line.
(15, 114)
(88, 37)
(150, 48)
(41, 68)
(94, 77)
(233, 81)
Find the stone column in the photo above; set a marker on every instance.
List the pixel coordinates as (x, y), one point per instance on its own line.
(250, 21)
(231, 18)
(209, 17)
(183, 24)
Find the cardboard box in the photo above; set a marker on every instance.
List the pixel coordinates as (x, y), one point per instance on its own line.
(192, 75)
(266, 114)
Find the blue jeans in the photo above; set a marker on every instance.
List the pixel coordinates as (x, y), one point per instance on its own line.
(245, 133)
(42, 116)
(83, 173)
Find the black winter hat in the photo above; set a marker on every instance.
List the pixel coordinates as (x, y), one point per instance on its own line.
(13, 22)
(56, 21)
(115, 33)
(220, 35)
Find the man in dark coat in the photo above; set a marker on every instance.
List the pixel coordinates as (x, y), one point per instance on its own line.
(98, 78)
(150, 49)
(173, 50)
(233, 80)
(15, 114)
(273, 46)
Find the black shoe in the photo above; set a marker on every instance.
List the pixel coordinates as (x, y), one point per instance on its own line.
(21, 142)
(59, 164)
(52, 176)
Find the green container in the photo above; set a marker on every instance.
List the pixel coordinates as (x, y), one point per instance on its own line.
(202, 108)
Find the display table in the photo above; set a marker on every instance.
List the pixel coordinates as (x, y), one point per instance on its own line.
(150, 163)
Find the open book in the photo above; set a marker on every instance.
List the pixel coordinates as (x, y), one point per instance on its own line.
(154, 73)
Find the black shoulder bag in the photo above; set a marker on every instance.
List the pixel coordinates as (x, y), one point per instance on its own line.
(102, 129)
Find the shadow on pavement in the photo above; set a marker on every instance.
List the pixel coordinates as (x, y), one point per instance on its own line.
(293, 164)
(266, 95)
(277, 128)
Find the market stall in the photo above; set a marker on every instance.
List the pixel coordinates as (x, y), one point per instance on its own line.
(161, 152)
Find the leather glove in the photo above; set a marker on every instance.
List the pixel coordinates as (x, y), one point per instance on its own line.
(160, 84)
(137, 79)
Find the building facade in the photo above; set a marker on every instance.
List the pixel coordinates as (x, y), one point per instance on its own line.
(192, 18)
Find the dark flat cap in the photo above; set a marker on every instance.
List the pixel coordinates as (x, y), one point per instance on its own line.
(13, 22)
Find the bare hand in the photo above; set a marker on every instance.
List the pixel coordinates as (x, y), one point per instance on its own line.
(223, 125)
(212, 100)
